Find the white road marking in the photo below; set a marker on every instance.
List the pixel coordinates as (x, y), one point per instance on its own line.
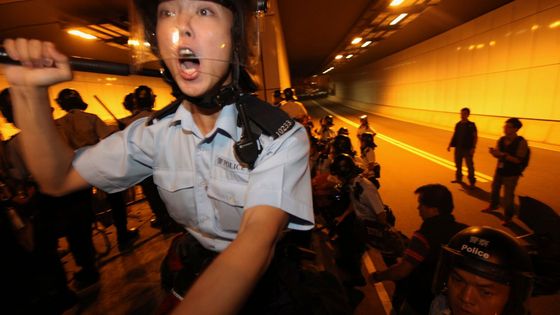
(379, 287)
(480, 177)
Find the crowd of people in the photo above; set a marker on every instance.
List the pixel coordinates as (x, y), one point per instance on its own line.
(240, 177)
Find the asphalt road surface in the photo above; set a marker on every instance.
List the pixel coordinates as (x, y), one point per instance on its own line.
(413, 155)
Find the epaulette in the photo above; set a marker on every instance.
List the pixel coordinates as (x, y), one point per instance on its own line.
(271, 120)
(164, 112)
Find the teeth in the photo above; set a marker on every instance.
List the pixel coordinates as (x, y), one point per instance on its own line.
(186, 52)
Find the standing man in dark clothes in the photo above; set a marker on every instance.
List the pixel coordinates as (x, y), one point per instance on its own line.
(81, 129)
(415, 271)
(511, 150)
(464, 141)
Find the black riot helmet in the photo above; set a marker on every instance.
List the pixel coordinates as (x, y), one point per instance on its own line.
(343, 131)
(342, 144)
(69, 99)
(343, 166)
(491, 254)
(145, 97)
(290, 94)
(327, 121)
(241, 51)
(129, 103)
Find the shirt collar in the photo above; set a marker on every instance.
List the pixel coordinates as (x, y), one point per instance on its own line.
(226, 122)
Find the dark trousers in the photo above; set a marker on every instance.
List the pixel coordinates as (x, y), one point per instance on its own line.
(33, 282)
(283, 290)
(71, 216)
(509, 183)
(460, 154)
(119, 214)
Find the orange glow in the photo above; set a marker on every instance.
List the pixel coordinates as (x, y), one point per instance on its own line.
(554, 24)
(396, 3)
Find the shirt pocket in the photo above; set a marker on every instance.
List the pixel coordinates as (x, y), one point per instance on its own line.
(228, 199)
(176, 190)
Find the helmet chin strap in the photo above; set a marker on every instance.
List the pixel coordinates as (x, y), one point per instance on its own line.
(218, 96)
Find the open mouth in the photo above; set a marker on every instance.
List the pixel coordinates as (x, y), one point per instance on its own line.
(188, 60)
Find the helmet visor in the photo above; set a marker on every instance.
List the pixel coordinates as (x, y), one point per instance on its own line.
(197, 41)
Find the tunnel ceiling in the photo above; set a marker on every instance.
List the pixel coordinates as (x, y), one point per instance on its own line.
(314, 30)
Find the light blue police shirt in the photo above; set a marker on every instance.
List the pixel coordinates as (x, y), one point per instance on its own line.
(203, 185)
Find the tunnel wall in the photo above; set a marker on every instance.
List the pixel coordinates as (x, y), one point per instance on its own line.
(502, 64)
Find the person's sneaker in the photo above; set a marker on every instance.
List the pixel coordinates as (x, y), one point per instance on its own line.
(489, 209)
(472, 185)
(457, 181)
(85, 278)
(127, 240)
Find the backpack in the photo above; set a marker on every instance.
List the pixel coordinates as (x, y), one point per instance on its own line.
(526, 158)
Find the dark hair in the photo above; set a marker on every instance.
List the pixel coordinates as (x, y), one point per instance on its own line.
(6, 105)
(436, 196)
(515, 122)
(128, 102)
(466, 109)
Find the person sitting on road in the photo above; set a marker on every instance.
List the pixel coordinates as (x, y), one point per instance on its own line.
(365, 206)
(325, 133)
(368, 159)
(483, 271)
(415, 271)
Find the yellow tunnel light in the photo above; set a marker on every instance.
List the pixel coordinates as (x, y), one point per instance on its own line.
(396, 3)
(338, 57)
(356, 40)
(349, 56)
(365, 44)
(81, 34)
(398, 19)
(328, 70)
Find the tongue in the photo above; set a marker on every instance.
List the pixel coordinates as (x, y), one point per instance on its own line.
(189, 68)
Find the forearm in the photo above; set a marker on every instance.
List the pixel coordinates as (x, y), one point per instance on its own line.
(396, 272)
(48, 158)
(226, 284)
